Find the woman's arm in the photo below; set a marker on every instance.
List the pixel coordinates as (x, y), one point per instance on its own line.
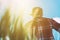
(55, 25)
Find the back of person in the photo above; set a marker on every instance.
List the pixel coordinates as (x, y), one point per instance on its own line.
(43, 29)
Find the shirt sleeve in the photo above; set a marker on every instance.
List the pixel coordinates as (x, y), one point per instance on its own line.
(55, 25)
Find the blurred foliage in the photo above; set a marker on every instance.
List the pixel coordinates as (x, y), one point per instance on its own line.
(5, 24)
(8, 28)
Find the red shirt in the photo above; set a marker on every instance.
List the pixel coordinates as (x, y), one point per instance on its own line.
(43, 28)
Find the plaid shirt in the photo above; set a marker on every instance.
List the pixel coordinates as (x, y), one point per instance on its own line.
(43, 28)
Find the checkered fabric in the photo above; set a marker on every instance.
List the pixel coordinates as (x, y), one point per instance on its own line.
(43, 29)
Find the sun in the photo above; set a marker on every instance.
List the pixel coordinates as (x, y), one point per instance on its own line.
(21, 8)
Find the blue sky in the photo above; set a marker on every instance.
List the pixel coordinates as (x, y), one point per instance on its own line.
(51, 8)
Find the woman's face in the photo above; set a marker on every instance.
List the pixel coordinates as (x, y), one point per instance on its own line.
(37, 13)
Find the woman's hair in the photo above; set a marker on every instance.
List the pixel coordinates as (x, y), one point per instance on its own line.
(33, 10)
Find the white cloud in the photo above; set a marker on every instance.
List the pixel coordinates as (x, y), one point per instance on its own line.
(57, 19)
